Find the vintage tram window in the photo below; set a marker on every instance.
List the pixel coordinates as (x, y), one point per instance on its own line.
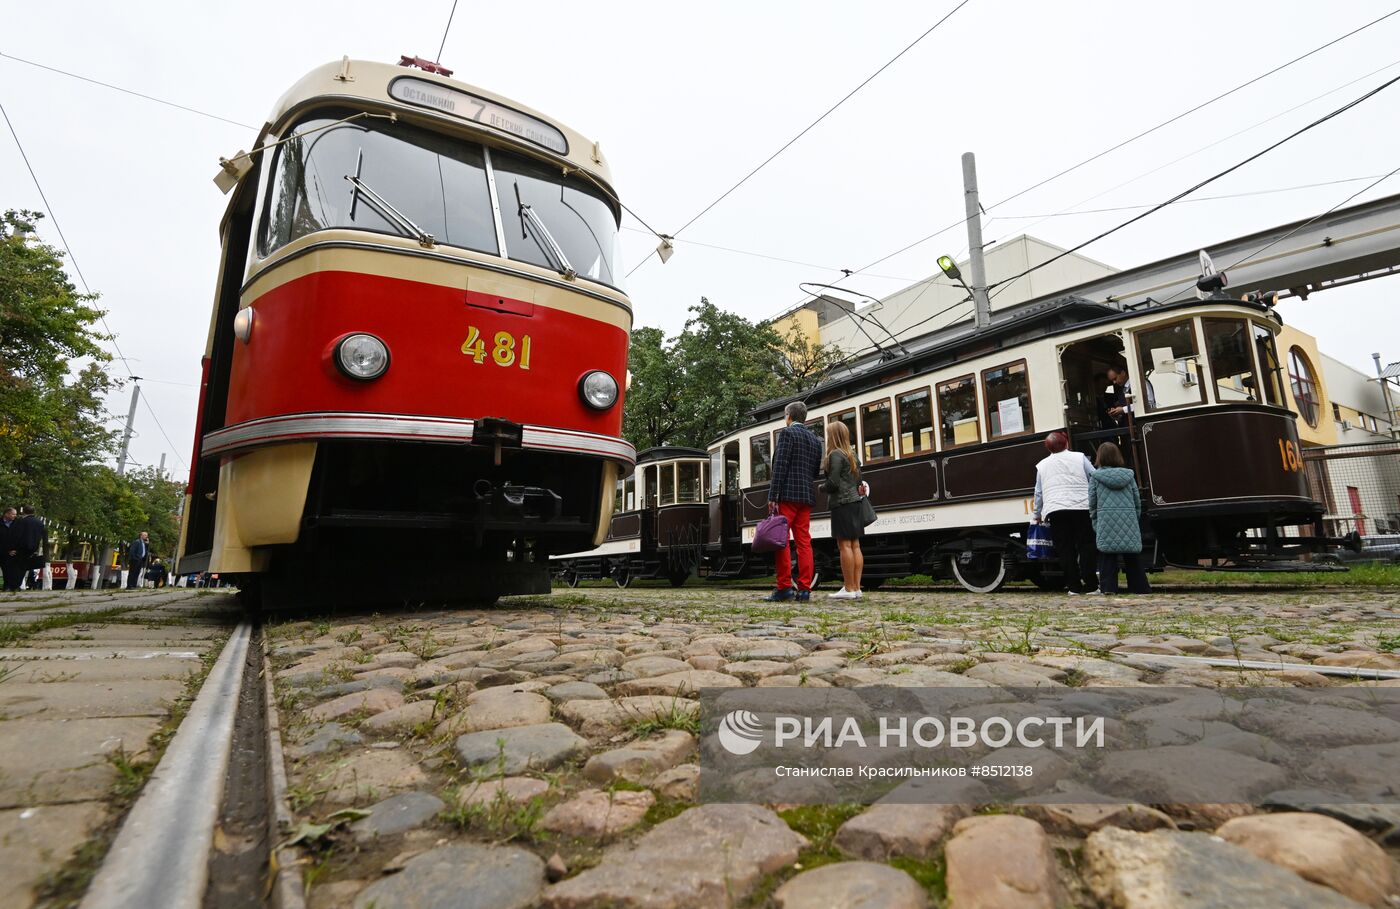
(309, 191)
(877, 428)
(716, 472)
(630, 492)
(1007, 391)
(668, 484)
(575, 213)
(760, 459)
(688, 481)
(649, 487)
(1269, 369)
(957, 412)
(620, 496)
(1171, 367)
(915, 422)
(1302, 378)
(818, 427)
(1231, 362)
(849, 418)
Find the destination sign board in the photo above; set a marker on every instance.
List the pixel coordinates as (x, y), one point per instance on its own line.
(458, 103)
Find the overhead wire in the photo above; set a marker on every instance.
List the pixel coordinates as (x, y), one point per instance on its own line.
(1134, 138)
(445, 30)
(77, 270)
(808, 128)
(126, 91)
(1186, 192)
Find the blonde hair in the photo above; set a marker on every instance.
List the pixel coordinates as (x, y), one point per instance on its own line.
(838, 438)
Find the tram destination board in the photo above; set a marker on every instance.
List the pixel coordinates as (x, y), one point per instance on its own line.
(479, 110)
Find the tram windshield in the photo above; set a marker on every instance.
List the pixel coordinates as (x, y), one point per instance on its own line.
(439, 185)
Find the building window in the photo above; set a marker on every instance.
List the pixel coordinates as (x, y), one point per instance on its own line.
(1007, 393)
(957, 412)
(1337, 412)
(760, 459)
(1300, 376)
(915, 422)
(877, 431)
(1170, 366)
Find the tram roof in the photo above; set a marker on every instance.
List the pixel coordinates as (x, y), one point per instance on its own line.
(668, 452)
(369, 82)
(1009, 328)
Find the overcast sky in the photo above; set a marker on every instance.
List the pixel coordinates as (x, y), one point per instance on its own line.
(686, 100)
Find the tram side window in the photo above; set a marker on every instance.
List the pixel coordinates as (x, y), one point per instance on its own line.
(877, 425)
(1270, 372)
(732, 484)
(650, 487)
(392, 160)
(716, 472)
(620, 497)
(575, 216)
(760, 459)
(1170, 363)
(1006, 389)
(957, 412)
(915, 422)
(630, 492)
(818, 427)
(1231, 362)
(688, 481)
(668, 484)
(849, 418)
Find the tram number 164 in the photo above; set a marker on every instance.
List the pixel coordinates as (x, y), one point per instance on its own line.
(506, 350)
(1288, 455)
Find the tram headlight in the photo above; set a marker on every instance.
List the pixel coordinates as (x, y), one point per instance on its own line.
(361, 356)
(598, 389)
(243, 324)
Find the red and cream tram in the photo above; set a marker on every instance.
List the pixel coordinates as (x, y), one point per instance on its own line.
(414, 375)
(950, 434)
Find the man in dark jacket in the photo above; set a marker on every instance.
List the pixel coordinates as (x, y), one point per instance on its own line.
(31, 535)
(12, 561)
(797, 462)
(137, 554)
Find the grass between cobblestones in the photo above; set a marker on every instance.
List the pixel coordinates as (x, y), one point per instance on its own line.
(15, 633)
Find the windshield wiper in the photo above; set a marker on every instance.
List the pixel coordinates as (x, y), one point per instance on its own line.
(532, 228)
(381, 205)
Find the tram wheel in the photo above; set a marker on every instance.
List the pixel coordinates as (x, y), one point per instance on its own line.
(570, 577)
(982, 572)
(622, 577)
(678, 578)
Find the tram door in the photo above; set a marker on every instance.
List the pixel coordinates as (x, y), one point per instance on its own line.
(724, 494)
(1088, 396)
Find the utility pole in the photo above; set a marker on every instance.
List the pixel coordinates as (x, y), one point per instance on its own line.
(981, 303)
(162, 465)
(130, 419)
(1385, 390)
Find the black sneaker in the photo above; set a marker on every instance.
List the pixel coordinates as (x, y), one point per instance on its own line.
(804, 596)
(779, 596)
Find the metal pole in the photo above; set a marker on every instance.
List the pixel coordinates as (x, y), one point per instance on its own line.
(162, 465)
(983, 306)
(130, 419)
(1385, 390)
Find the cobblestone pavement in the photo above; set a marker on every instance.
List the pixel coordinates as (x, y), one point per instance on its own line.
(91, 685)
(543, 753)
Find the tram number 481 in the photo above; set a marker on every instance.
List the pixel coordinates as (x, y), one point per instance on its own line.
(505, 351)
(1288, 455)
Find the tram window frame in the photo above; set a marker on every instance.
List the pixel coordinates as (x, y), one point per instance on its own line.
(630, 492)
(1150, 402)
(1270, 377)
(682, 497)
(650, 487)
(970, 380)
(668, 489)
(733, 470)
(1028, 410)
(766, 440)
(1241, 325)
(324, 120)
(818, 427)
(865, 409)
(715, 485)
(620, 496)
(932, 446)
(847, 416)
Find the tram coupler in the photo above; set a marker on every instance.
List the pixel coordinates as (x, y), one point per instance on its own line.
(513, 505)
(497, 434)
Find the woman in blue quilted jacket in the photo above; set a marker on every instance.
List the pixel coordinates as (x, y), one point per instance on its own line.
(1115, 507)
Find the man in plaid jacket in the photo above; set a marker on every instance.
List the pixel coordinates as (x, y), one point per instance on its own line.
(796, 465)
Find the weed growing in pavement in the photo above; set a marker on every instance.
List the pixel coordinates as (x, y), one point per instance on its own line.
(131, 774)
(675, 716)
(1387, 643)
(663, 809)
(931, 875)
(501, 820)
(14, 633)
(350, 637)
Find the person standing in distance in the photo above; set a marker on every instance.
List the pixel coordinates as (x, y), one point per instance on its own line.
(31, 535)
(1062, 497)
(12, 562)
(797, 461)
(137, 554)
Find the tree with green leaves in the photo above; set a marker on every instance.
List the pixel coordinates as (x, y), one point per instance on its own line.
(688, 389)
(53, 381)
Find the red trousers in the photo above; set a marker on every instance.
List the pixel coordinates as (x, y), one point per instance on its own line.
(799, 518)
